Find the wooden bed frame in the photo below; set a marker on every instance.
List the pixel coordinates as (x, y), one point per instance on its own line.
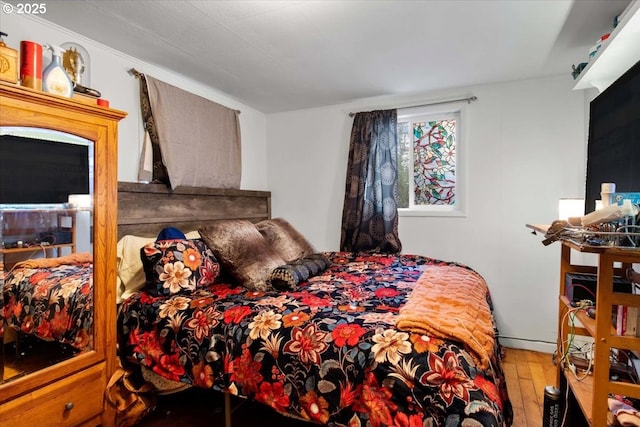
(144, 209)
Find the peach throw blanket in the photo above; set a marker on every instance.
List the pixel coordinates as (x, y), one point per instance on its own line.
(74, 258)
(450, 302)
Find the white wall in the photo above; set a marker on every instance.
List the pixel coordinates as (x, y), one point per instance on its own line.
(109, 74)
(525, 150)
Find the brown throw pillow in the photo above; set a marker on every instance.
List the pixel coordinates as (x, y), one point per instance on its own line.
(242, 251)
(290, 244)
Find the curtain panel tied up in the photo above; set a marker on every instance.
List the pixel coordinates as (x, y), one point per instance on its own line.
(370, 213)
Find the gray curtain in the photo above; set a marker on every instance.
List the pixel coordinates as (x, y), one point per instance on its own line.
(151, 167)
(370, 213)
(194, 141)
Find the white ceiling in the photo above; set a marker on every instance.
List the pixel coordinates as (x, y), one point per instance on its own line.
(287, 55)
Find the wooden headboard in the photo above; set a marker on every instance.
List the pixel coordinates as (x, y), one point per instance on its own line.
(144, 209)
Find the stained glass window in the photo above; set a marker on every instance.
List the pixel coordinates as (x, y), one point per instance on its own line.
(427, 157)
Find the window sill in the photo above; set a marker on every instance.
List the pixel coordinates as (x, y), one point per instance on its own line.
(452, 213)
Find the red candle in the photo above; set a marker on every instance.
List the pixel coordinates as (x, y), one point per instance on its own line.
(31, 64)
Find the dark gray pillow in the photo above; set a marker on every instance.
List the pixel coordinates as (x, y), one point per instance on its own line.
(287, 277)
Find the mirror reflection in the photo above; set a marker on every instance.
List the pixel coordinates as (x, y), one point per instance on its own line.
(46, 248)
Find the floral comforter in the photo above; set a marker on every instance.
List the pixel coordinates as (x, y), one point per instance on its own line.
(329, 352)
(53, 304)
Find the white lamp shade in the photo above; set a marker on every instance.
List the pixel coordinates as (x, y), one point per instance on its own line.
(570, 208)
(81, 201)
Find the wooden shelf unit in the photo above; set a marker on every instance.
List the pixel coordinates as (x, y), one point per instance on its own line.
(24, 223)
(592, 392)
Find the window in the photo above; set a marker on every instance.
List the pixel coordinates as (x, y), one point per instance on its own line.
(429, 172)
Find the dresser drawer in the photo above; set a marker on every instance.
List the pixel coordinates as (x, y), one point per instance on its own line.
(68, 402)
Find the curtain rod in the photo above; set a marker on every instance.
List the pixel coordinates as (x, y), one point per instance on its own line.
(469, 100)
(135, 73)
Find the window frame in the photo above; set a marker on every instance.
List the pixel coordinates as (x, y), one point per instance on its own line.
(458, 208)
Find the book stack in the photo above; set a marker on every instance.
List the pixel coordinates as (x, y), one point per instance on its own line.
(627, 321)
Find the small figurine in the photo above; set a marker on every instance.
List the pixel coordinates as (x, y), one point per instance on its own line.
(74, 65)
(577, 70)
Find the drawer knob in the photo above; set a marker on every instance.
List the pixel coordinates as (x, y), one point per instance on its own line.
(68, 406)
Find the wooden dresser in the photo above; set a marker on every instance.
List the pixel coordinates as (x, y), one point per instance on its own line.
(71, 392)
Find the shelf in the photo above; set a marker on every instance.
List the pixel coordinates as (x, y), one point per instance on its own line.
(583, 392)
(617, 54)
(32, 225)
(588, 323)
(34, 248)
(622, 252)
(591, 393)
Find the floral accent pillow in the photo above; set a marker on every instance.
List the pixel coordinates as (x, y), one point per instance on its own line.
(178, 266)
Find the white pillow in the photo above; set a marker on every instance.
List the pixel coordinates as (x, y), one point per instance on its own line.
(130, 277)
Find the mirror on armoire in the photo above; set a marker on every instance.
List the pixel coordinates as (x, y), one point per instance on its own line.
(46, 248)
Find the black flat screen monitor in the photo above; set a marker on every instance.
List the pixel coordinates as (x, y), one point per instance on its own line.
(37, 171)
(613, 150)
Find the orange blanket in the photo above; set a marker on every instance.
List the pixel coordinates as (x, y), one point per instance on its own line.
(74, 258)
(450, 302)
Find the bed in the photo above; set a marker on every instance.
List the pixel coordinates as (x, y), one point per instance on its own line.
(51, 299)
(332, 338)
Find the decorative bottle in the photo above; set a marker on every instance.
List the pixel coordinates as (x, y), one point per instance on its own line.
(55, 79)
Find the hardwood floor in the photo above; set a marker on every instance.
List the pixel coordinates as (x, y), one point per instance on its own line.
(527, 372)
(40, 354)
